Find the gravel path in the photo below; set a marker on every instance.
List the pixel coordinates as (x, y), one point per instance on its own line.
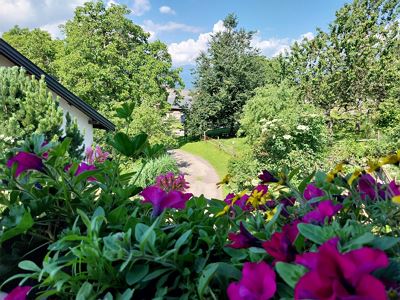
(199, 173)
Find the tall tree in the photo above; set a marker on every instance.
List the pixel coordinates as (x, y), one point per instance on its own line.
(226, 76)
(355, 64)
(36, 44)
(107, 60)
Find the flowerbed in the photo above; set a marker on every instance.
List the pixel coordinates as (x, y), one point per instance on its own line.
(84, 230)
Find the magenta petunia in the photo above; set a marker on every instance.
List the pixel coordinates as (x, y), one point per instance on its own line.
(369, 188)
(311, 191)
(267, 177)
(25, 161)
(258, 283)
(161, 199)
(286, 202)
(280, 246)
(334, 275)
(19, 293)
(243, 239)
(82, 167)
(325, 210)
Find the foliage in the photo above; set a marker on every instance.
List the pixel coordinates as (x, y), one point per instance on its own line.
(35, 44)
(226, 76)
(107, 60)
(282, 131)
(88, 235)
(25, 101)
(353, 66)
(76, 147)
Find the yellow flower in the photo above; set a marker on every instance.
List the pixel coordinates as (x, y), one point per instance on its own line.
(354, 176)
(333, 173)
(225, 180)
(270, 214)
(373, 165)
(396, 199)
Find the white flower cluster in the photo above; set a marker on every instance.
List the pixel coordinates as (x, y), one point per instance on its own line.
(7, 139)
(303, 127)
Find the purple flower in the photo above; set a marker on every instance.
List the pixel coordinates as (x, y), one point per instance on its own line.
(394, 192)
(239, 200)
(285, 203)
(325, 209)
(168, 182)
(161, 199)
(369, 188)
(333, 275)
(280, 246)
(267, 177)
(312, 191)
(257, 283)
(243, 239)
(19, 293)
(25, 161)
(83, 167)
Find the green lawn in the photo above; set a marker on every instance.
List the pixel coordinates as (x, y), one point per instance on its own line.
(208, 151)
(216, 152)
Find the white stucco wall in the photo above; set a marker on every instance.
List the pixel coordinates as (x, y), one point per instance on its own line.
(82, 119)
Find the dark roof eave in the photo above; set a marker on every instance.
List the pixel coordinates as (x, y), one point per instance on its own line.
(13, 55)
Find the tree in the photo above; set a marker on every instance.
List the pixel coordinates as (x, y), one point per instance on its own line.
(27, 107)
(36, 44)
(355, 64)
(107, 60)
(76, 147)
(226, 76)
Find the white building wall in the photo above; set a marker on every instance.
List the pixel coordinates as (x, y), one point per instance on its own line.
(82, 119)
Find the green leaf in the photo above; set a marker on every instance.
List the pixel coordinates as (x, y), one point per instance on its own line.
(136, 274)
(122, 143)
(182, 239)
(205, 278)
(315, 233)
(290, 273)
(155, 274)
(25, 223)
(28, 265)
(85, 291)
(384, 242)
(360, 241)
(127, 295)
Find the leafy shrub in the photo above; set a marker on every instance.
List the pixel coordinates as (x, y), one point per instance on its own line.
(84, 231)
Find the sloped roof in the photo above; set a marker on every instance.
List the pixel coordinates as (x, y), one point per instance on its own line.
(184, 102)
(98, 120)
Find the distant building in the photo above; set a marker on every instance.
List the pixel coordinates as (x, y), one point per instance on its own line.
(86, 116)
(177, 111)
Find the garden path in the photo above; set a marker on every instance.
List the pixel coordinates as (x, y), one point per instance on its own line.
(201, 176)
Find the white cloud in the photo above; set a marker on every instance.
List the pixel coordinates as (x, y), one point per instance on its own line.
(185, 52)
(110, 3)
(155, 28)
(36, 13)
(274, 46)
(139, 7)
(167, 10)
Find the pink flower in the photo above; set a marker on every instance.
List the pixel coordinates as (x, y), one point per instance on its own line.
(96, 155)
(161, 199)
(333, 275)
(243, 239)
(312, 191)
(369, 188)
(325, 210)
(25, 161)
(19, 293)
(82, 168)
(257, 283)
(168, 182)
(280, 246)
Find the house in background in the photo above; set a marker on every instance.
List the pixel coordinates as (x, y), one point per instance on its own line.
(177, 111)
(86, 116)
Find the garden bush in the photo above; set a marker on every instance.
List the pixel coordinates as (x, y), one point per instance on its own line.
(84, 230)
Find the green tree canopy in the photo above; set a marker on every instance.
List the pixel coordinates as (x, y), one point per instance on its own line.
(107, 60)
(226, 76)
(36, 44)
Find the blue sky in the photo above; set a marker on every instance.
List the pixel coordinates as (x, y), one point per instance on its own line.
(186, 25)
